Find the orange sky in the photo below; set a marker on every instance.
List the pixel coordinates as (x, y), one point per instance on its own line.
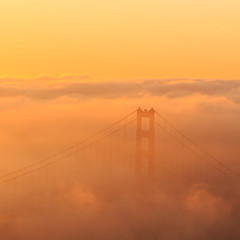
(69, 68)
(122, 40)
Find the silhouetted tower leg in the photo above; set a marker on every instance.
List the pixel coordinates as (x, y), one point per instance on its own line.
(145, 142)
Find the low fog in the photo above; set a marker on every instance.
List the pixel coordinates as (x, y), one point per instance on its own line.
(87, 196)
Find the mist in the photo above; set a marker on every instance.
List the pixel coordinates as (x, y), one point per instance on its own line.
(74, 199)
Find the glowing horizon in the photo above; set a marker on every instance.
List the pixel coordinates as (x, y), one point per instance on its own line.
(120, 40)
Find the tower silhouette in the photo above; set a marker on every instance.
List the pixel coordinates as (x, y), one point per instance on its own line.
(145, 142)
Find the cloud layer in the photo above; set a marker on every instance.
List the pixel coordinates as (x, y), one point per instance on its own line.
(90, 210)
(80, 87)
(122, 212)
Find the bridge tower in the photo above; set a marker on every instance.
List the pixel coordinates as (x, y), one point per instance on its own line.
(145, 143)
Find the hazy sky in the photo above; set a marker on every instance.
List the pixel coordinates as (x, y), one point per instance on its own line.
(69, 68)
(120, 39)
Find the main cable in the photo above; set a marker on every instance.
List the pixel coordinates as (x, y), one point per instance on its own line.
(197, 146)
(69, 155)
(203, 159)
(68, 148)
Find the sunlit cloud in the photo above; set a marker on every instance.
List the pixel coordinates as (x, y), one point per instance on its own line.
(81, 88)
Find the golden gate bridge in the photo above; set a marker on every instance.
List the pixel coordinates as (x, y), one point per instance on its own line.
(141, 145)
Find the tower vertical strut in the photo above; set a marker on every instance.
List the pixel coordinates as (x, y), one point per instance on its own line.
(145, 142)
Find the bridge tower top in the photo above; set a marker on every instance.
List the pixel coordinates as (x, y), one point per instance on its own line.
(145, 142)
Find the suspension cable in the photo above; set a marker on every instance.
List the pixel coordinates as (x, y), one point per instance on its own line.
(70, 147)
(197, 146)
